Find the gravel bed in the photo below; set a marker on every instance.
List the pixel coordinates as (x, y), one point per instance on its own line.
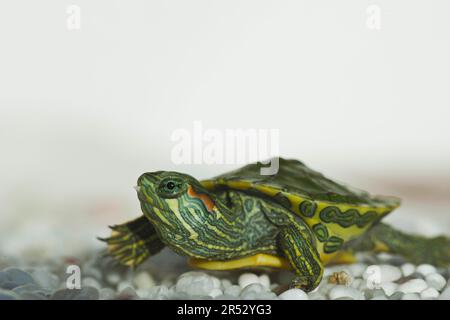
(376, 277)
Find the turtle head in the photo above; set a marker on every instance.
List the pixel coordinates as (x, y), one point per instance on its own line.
(168, 197)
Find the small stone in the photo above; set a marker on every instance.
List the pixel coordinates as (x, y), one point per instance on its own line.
(382, 273)
(445, 295)
(252, 290)
(264, 280)
(369, 294)
(180, 296)
(389, 288)
(266, 295)
(413, 286)
(143, 281)
(341, 291)
(233, 290)
(293, 294)
(226, 283)
(325, 287)
(158, 292)
(107, 294)
(11, 278)
(225, 297)
(128, 294)
(91, 282)
(86, 293)
(429, 293)
(92, 272)
(197, 283)
(408, 269)
(215, 293)
(356, 283)
(341, 277)
(45, 279)
(247, 278)
(123, 285)
(396, 296)
(32, 296)
(357, 269)
(426, 269)
(436, 281)
(379, 298)
(8, 295)
(411, 296)
(316, 296)
(113, 278)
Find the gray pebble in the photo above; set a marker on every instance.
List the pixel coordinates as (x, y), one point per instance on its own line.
(411, 296)
(445, 295)
(45, 279)
(86, 293)
(396, 296)
(8, 295)
(107, 294)
(32, 296)
(11, 278)
(128, 294)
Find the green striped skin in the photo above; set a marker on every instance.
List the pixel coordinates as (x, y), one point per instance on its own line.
(226, 225)
(190, 228)
(133, 242)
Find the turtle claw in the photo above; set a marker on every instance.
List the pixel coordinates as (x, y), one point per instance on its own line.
(302, 283)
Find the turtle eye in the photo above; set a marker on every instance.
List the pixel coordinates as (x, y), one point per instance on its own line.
(171, 187)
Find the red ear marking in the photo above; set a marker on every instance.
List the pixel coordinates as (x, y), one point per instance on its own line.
(209, 204)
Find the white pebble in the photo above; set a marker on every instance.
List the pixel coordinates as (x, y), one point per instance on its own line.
(247, 278)
(412, 286)
(264, 280)
(425, 269)
(233, 290)
(252, 291)
(341, 291)
(356, 283)
(408, 269)
(357, 269)
(197, 283)
(215, 292)
(316, 296)
(123, 285)
(389, 288)
(429, 293)
(379, 298)
(382, 273)
(158, 292)
(411, 296)
(445, 295)
(436, 281)
(113, 278)
(226, 283)
(143, 281)
(293, 294)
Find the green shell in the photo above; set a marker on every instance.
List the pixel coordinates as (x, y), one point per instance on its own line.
(335, 212)
(296, 178)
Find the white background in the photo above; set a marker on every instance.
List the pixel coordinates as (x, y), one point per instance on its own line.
(85, 112)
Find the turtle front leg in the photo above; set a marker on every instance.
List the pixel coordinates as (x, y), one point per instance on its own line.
(294, 241)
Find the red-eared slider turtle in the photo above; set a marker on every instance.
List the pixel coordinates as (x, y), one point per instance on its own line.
(295, 219)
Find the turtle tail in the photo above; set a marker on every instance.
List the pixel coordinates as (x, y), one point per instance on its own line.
(414, 248)
(132, 242)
